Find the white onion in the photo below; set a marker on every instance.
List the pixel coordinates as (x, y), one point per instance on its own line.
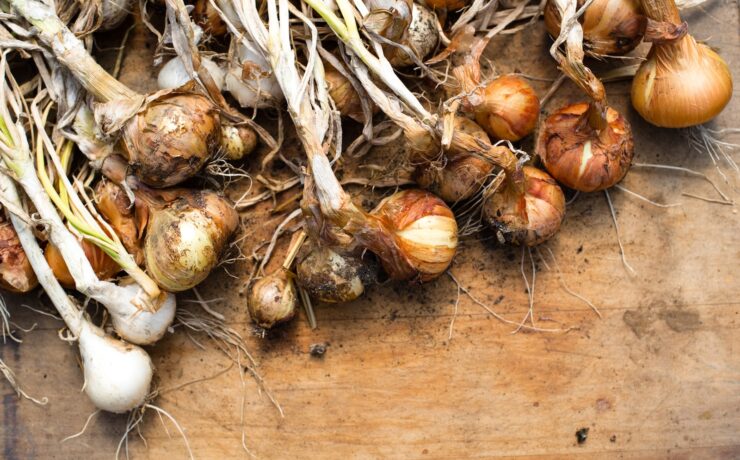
(173, 74)
(139, 326)
(251, 82)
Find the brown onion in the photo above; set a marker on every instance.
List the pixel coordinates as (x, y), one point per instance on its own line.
(343, 94)
(105, 267)
(581, 157)
(530, 219)
(610, 27)
(334, 276)
(272, 300)
(508, 108)
(16, 273)
(463, 174)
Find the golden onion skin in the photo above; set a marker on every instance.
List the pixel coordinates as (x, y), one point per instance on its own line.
(186, 238)
(610, 27)
(272, 300)
(127, 221)
(681, 84)
(171, 138)
(528, 220)
(424, 231)
(580, 157)
(463, 175)
(334, 277)
(509, 108)
(16, 273)
(105, 267)
(343, 94)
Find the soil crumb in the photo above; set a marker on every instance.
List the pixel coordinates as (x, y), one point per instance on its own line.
(582, 435)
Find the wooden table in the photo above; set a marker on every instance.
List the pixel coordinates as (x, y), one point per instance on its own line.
(656, 376)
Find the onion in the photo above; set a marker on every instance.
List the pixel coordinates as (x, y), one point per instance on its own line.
(610, 27)
(529, 219)
(388, 18)
(127, 220)
(343, 94)
(508, 108)
(463, 174)
(422, 230)
(334, 277)
(186, 238)
(681, 83)
(249, 79)
(237, 141)
(113, 12)
(422, 36)
(105, 267)
(581, 157)
(16, 273)
(142, 327)
(173, 74)
(272, 300)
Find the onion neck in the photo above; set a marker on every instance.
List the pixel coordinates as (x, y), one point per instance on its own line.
(662, 10)
(71, 52)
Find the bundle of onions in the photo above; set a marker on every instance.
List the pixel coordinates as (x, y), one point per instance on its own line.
(610, 27)
(424, 138)
(16, 273)
(118, 375)
(166, 136)
(586, 146)
(681, 83)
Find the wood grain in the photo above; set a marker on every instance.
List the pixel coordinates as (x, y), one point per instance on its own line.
(657, 376)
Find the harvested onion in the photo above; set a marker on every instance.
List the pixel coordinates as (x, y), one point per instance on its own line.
(508, 108)
(272, 300)
(422, 36)
(581, 157)
(530, 219)
(173, 74)
(610, 27)
(127, 220)
(16, 273)
(105, 267)
(250, 80)
(343, 94)
(334, 277)
(681, 83)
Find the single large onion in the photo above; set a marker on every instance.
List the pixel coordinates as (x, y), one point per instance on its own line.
(422, 36)
(529, 219)
(463, 175)
(681, 84)
(272, 300)
(334, 277)
(508, 108)
(610, 27)
(186, 238)
(105, 267)
(581, 157)
(16, 273)
(171, 138)
(419, 239)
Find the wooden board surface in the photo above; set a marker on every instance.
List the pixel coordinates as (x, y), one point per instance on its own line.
(657, 376)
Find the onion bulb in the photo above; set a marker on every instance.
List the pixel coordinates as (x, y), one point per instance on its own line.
(118, 375)
(186, 238)
(508, 108)
(681, 84)
(206, 16)
(334, 277)
(272, 300)
(250, 80)
(463, 174)
(173, 74)
(581, 157)
(113, 12)
(16, 273)
(610, 27)
(421, 228)
(343, 94)
(527, 219)
(105, 267)
(171, 138)
(388, 18)
(422, 36)
(127, 220)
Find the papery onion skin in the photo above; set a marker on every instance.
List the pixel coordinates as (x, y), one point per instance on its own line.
(509, 108)
(581, 157)
(208, 18)
(334, 277)
(16, 273)
(127, 220)
(422, 36)
(173, 74)
(610, 27)
(681, 84)
(105, 267)
(463, 175)
(343, 94)
(272, 300)
(543, 204)
(250, 80)
(422, 228)
(171, 139)
(186, 238)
